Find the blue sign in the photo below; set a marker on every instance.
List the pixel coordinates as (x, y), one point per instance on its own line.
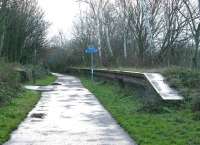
(91, 50)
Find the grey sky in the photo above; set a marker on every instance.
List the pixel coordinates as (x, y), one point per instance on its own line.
(60, 13)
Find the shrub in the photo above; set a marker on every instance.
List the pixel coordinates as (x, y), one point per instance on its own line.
(182, 77)
(187, 81)
(196, 116)
(151, 102)
(33, 72)
(6, 93)
(9, 81)
(196, 104)
(40, 71)
(8, 74)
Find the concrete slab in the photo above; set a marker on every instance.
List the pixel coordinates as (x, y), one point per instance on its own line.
(162, 88)
(69, 114)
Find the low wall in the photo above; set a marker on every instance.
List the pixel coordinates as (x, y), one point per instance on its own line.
(159, 87)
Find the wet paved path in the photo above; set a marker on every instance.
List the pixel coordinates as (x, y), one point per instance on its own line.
(68, 114)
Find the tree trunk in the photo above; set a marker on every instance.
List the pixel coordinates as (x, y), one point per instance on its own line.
(99, 42)
(125, 46)
(195, 58)
(124, 28)
(2, 43)
(108, 41)
(199, 5)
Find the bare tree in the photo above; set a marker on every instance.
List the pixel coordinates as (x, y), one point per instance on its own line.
(173, 26)
(192, 16)
(140, 32)
(101, 14)
(124, 5)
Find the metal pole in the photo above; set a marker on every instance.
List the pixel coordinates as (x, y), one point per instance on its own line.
(92, 66)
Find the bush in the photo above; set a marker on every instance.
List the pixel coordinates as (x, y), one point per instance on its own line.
(196, 116)
(8, 74)
(40, 71)
(33, 72)
(196, 104)
(7, 93)
(151, 102)
(182, 77)
(9, 81)
(187, 81)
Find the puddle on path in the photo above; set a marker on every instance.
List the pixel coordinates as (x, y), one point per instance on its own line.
(38, 115)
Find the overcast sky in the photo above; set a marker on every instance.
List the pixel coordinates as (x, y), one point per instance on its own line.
(60, 13)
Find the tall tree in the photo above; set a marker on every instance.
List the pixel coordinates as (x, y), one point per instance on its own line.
(23, 30)
(192, 16)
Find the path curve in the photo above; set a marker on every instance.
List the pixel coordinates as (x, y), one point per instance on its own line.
(68, 114)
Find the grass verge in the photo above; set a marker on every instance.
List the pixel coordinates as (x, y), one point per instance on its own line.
(175, 127)
(17, 109)
(14, 112)
(47, 80)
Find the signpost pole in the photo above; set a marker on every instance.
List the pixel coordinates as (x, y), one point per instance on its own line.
(91, 51)
(92, 66)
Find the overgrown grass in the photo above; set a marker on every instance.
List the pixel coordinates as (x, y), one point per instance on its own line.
(174, 127)
(187, 82)
(47, 80)
(14, 112)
